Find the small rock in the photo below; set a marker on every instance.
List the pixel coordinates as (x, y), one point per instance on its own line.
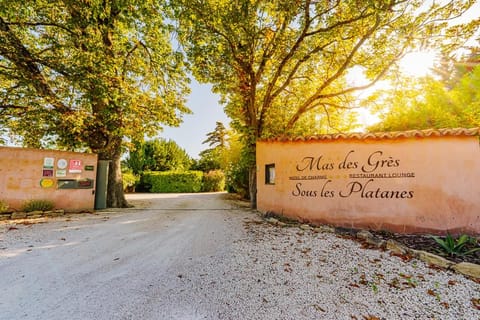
(364, 234)
(305, 227)
(34, 213)
(281, 224)
(5, 217)
(272, 220)
(431, 258)
(396, 247)
(326, 229)
(19, 215)
(469, 269)
(37, 216)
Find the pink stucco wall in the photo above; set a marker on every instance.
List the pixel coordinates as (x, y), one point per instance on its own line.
(27, 174)
(410, 182)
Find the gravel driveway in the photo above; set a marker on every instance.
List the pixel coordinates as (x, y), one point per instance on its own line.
(205, 256)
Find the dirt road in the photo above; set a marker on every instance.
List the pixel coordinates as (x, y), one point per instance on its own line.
(112, 265)
(203, 257)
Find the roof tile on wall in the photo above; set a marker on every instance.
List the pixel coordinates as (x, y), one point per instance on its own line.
(385, 135)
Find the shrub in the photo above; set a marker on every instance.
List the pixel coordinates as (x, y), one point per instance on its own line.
(237, 178)
(3, 206)
(458, 247)
(213, 181)
(38, 205)
(129, 181)
(171, 181)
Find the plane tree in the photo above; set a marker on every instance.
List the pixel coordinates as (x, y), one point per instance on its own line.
(292, 57)
(89, 75)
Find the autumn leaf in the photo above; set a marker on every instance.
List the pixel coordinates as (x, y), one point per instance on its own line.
(452, 282)
(476, 303)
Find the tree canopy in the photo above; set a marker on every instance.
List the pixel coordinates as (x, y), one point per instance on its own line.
(278, 57)
(430, 103)
(158, 155)
(88, 75)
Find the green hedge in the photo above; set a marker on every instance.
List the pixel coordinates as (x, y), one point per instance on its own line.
(171, 181)
(213, 181)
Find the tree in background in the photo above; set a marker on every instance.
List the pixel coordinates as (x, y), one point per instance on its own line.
(428, 102)
(88, 75)
(218, 137)
(281, 57)
(157, 155)
(214, 158)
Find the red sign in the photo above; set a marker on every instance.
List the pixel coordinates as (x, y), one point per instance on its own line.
(75, 166)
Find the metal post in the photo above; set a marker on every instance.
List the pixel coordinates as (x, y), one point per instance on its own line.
(101, 185)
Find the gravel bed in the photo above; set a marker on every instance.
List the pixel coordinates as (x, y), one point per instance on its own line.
(213, 265)
(288, 273)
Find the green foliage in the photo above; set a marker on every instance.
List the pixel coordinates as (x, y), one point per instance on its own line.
(213, 181)
(158, 155)
(456, 247)
(215, 157)
(130, 180)
(38, 205)
(170, 181)
(237, 176)
(210, 159)
(428, 103)
(217, 137)
(3, 206)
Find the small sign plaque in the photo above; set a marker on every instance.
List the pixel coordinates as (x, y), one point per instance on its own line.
(75, 166)
(47, 173)
(47, 183)
(48, 162)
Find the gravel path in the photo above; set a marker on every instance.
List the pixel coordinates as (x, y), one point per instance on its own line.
(203, 257)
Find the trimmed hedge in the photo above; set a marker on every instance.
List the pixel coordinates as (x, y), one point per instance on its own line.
(172, 181)
(213, 181)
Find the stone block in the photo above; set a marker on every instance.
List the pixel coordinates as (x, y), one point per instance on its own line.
(326, 229)
(396, 247)
(431, 258)
(364, 234)
(34, 213)
(19, 215)
(469, 269)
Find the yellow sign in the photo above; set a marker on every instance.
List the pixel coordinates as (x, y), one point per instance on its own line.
(47, 183)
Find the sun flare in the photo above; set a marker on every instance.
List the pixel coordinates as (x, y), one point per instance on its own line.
(418, 64)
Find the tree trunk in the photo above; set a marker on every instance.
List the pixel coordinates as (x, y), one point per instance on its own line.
(115, 194)
(252, 172)
(252, 185)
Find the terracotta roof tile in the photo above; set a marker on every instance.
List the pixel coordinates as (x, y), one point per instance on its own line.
(385, 135)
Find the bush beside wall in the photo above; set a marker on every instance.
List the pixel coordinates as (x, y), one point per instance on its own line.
(171, 181)
(213, 181)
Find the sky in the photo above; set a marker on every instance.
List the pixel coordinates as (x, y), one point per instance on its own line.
(194, 128)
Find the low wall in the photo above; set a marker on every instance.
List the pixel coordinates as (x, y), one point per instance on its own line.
(413, 181)
(66, 178)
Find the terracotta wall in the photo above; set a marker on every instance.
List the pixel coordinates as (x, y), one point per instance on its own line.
(416, 181)
(27, 174)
